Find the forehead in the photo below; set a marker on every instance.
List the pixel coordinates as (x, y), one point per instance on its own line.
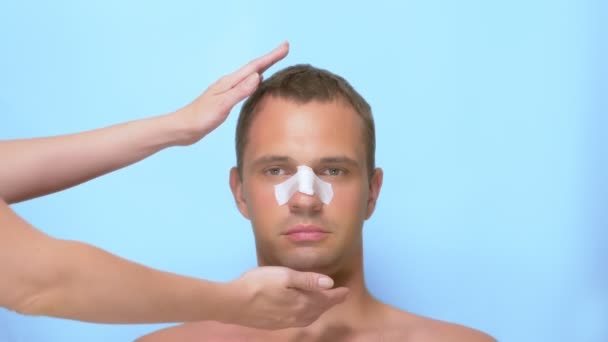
(305, 131)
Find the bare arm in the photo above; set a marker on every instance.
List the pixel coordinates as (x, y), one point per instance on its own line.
(39, 166)
(67, 279)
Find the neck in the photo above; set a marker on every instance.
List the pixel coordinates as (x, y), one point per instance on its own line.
(360, 311)
(360, 307)
(359, 303)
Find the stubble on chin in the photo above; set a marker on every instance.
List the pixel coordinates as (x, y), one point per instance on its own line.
(311, 260)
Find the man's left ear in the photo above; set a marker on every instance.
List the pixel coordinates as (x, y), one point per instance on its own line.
(375, 185)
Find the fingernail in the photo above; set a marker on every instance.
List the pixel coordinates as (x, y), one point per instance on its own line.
(325, 282)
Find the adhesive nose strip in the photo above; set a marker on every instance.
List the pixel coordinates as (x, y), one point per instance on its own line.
(305, 181)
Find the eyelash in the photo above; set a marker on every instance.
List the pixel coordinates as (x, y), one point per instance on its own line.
(340, 172)
(270, 170)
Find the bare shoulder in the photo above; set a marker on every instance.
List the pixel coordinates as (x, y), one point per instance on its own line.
(448, 332)
(424, 329)
(200, 331)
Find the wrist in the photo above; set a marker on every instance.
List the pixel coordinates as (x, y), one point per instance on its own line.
(176, 130)
(228, 303)
(186, 130)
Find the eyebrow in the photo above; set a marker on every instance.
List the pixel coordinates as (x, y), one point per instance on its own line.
(270, 159)
(340, 160)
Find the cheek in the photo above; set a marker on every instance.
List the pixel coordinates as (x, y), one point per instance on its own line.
(349, 198)
(260, 201)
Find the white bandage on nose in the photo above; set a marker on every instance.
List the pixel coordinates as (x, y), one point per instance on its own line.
(304, 181)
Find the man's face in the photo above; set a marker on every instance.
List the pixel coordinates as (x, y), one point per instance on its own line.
(305, 233)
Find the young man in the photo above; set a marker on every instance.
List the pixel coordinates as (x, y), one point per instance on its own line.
(306, 179)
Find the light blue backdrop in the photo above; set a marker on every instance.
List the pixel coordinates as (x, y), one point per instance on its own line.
(491, 124)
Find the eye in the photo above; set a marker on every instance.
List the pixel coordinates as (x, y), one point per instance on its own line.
(275, 171)
(332, 171)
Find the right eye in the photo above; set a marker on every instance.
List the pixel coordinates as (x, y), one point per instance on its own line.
(275, 171)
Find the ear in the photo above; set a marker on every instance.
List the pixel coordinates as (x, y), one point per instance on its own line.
(236, 185)
(375, 185)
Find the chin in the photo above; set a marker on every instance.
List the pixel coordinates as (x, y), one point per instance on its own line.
(309, 263)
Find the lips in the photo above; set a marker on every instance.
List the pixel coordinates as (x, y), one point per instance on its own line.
(306, 233)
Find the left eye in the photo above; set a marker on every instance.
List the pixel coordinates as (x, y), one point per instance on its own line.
(332, 172)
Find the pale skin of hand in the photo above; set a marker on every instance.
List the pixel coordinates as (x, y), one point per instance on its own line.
(42, 275)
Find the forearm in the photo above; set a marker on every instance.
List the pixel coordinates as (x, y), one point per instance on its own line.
(41, 275)
(35, 167)
(90, 284)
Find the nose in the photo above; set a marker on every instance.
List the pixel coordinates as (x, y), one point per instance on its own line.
(303, 203)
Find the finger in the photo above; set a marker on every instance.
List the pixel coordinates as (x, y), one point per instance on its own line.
(309, 281)
(258, 65)
(261, 64)
(245, 88)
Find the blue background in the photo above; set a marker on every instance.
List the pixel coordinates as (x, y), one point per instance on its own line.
(492, 131)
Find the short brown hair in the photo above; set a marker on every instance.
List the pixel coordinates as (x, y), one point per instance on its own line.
(304, 83)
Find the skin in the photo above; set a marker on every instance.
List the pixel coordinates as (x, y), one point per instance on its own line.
(42, 275)
(282, 136)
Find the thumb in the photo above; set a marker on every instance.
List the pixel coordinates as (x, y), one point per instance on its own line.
(310, 281)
